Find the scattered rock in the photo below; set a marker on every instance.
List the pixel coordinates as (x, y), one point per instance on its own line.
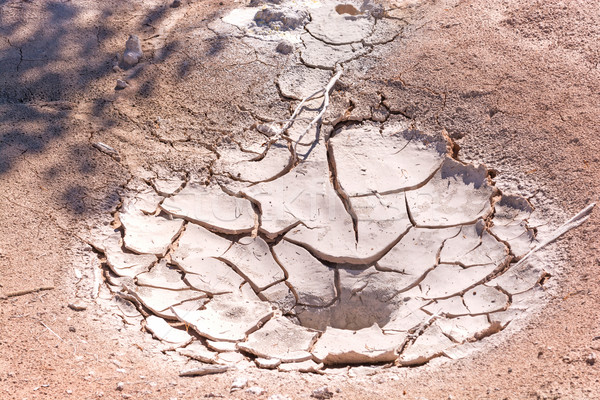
(591, 359)
(133, 51)
(281, 18)
(265, 363)
(120, 386)
(322, 393)
(77, 306)
(204, 370)
(256, 390)
(285, 47)
(121, 84)
(238, 384)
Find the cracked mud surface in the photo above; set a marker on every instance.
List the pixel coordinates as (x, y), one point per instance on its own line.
(368, 238)
(513, 85)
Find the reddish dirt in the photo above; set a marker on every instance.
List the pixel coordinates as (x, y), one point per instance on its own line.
(515, 83)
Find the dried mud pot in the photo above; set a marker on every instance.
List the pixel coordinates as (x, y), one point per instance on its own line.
(317, 245)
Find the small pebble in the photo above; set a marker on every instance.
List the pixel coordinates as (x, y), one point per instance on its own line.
(121, 84)
(238, 384)
(322, 393)
(77, 306)
(285, 47)
(591, 359)
(256, 390)
(120, 386)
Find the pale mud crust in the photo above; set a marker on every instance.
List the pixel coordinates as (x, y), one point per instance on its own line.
(367, 243)
(513, 85)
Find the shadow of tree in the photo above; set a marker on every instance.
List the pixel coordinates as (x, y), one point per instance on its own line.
(52, 53)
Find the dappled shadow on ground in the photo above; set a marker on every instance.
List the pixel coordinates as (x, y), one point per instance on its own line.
(52, 56)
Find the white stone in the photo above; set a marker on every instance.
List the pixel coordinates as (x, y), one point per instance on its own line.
(148, 234)
(165, 332)
(133, 51)
(212, 208)
(281, 339)
(368, 345)
(226, 318)
(369, 161)
(456, 195)
(313, 282)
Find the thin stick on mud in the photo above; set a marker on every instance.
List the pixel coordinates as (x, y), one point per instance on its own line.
(323, 107)
(26, 291)
(574, 222)
(51, 331)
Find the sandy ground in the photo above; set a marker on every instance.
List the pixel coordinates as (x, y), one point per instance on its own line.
(515, 83)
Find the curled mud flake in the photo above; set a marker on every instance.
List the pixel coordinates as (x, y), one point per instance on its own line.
(317, 54)
(159, 301)
(520, 277)
(369, 161)
(280, 296)
(484, 299)
(212, 208)
(368, 345)
(312, 281)
(457, 194)
(210, 275)
(447, 280)
(281, 339)
(226, 318)
(252, 258)
(451, 307)
(199, 242)
(147, 234)
(277, 160)
(464, 328)
(474, 246)
(417, 252)
(163, 331)
(432, 343)
(162, 276)
(197, 351)
(124, 263)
